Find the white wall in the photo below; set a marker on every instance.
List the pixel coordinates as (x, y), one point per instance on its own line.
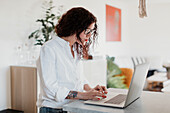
(149, 36)
(142, 37)
(16, 20)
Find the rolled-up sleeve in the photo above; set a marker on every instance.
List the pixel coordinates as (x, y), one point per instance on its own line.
(48, 75)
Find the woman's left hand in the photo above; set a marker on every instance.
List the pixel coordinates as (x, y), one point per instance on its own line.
(102, 89)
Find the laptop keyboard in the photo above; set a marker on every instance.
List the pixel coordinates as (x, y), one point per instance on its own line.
(117, 99)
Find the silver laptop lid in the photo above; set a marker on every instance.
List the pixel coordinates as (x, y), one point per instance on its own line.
(137, 83)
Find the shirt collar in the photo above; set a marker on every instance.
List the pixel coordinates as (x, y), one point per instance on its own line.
(61, 41)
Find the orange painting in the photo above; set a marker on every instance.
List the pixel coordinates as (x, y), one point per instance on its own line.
(113, 23)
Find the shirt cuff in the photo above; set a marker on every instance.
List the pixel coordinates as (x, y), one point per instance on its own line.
(61, 94)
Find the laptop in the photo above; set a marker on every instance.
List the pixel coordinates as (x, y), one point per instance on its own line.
(122, 100)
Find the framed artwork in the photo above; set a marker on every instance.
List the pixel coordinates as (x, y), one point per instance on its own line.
(113, 23)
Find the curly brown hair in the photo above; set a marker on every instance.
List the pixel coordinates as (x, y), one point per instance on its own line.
(75, 21)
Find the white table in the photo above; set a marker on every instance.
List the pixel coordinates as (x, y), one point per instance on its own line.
(150, 102)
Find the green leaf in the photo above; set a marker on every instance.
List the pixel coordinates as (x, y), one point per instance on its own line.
(36, 36)
(49, 29)
(38, 44)
(47, 12)
(58, 17)
(32, 34)
(44, 30)
(51, 8)
(111, 66)
(47, 25)
(42, 22)
(40, 40)
(116, 82)
(52, 23)
(52, 15)
(112, 70)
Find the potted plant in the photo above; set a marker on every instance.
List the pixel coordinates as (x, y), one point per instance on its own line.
(114, 81)
(47, 27)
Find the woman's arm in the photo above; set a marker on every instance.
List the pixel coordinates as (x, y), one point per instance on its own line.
(98, 88)
(47, 72)
(90, 93)
(85, 95)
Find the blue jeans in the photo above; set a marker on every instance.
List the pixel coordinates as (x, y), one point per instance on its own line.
(51, 110)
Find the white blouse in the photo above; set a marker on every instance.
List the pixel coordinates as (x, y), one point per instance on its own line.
(59, 73)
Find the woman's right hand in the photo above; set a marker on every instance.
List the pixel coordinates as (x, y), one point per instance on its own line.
(90, 95)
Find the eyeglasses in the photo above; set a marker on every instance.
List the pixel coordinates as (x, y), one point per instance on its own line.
(89, 31)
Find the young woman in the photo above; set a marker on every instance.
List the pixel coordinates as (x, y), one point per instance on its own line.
(60, 79)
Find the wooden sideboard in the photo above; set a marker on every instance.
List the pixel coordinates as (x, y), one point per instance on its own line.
(24, 88)
(25, 84)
